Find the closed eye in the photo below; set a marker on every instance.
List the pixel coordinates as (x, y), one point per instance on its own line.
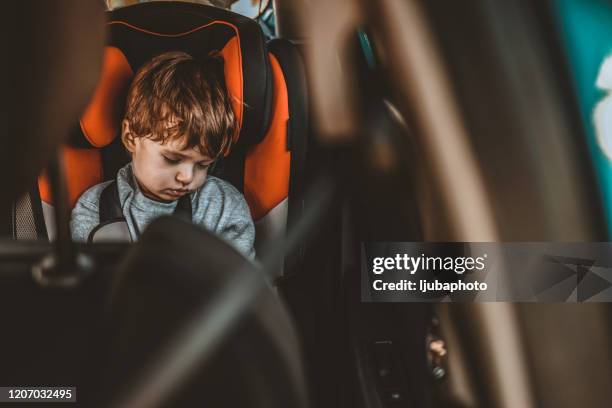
(171, 160)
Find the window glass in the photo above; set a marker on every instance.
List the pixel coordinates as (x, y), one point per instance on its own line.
(586, 31)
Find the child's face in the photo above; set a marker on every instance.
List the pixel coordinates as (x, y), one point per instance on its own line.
(165, 172)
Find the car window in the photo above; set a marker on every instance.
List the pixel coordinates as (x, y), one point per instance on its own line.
(586, 32)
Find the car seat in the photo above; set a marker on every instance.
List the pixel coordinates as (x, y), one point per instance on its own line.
(267, 86)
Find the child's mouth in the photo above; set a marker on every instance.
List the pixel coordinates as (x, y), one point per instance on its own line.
(176, 193)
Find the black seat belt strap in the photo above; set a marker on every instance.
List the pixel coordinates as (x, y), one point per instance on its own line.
(110, 205)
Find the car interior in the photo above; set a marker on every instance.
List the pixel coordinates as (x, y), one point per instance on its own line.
(360, 121)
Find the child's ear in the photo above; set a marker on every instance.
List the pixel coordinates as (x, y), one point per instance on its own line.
(127, 137)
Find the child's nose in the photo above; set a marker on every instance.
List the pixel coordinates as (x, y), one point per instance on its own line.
(184, 175)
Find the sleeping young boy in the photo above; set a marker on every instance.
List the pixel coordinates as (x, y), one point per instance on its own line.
(178, 121)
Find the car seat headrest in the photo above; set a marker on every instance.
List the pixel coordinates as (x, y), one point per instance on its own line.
(138, 33)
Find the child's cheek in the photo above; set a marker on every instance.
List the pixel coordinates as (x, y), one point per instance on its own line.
(201, 179)
(166, 176)
(159, 175)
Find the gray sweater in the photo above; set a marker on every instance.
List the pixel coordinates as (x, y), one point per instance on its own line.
(216, 206)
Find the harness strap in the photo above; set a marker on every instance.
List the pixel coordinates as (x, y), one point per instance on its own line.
(110, 205)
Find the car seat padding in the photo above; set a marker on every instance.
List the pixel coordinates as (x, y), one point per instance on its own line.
(294, 76)
(85, 167)
(266, 180)
(102, 116)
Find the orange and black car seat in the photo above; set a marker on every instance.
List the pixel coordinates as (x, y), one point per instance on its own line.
(267, 86)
